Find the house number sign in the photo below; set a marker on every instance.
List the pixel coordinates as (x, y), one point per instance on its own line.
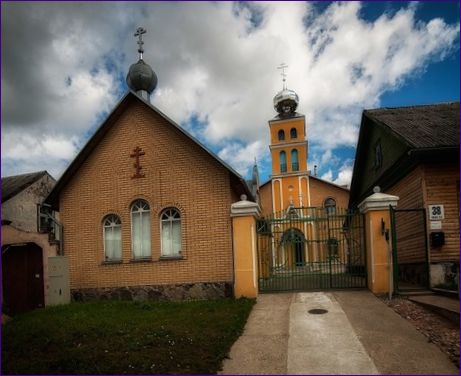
(436, 212)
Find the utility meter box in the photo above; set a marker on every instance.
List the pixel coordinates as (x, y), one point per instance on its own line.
(437, 239)
(58, 280)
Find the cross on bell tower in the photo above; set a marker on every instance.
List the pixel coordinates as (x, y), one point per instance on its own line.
(282, 67)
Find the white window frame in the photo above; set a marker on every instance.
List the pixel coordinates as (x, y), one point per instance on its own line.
(141, 210)
(330, 209)
(116, 222)
(170, 221)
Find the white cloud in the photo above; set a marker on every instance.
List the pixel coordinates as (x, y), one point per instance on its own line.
(213, 64)
(344, 175)
(37, 152)
(243, 157)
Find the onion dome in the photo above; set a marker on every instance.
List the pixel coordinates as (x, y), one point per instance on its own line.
(141, 77)
(286, 102)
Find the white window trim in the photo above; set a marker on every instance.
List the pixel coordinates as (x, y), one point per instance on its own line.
(179, 254)
(133, 256)
(106, 259)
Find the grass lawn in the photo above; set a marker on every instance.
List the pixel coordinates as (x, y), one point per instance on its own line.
(116, 337)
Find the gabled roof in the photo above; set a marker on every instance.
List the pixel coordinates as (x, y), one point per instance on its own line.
(428, 126)
(12, 185)
(53, 198)
(427, 133)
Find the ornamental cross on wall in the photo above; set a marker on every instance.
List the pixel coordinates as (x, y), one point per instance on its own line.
(137, 152)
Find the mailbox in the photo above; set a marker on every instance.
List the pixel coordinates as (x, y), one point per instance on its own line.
(437, 239)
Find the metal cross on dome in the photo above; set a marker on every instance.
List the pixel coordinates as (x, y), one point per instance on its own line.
(139, 32)
(283, 66)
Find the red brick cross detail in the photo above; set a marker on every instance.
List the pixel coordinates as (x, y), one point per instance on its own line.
(137, 152)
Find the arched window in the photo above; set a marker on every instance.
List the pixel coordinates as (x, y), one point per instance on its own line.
(293, 133)
(170, 221)
(330, 206)
(140, 229)
(281, 135)
(294, 160)
(112, 233)
(283, 161)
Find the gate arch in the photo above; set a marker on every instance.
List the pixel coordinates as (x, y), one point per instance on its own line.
(293, 242)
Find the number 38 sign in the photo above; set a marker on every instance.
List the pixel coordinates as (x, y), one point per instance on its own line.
(436, 212)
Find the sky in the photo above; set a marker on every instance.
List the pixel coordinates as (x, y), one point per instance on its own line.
(64, 67)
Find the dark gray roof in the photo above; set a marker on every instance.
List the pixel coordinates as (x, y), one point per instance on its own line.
(12, 185)
(427, 126)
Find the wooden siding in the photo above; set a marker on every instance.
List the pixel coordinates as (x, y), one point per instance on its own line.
(391, 150)
(427, 185)
(442, 187)
(410, 225)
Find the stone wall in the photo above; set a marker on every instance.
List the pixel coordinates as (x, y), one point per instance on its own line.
(190, 291)
(21, 209)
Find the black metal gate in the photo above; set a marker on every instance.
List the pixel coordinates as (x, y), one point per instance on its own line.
(409, 249)
(311, 249)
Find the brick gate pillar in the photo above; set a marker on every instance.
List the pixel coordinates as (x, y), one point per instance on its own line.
(378, 240)
(244, 214)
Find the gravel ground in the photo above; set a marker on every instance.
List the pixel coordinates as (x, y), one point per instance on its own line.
(436, 328)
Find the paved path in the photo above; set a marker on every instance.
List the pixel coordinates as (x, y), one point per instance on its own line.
(358, 335)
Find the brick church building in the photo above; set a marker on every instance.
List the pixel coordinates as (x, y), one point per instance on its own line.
(145, 208)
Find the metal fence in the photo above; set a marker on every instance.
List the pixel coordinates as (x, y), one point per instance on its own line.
(310, 248)
(409, 249)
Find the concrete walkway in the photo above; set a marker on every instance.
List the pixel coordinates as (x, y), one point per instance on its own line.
(358, 335)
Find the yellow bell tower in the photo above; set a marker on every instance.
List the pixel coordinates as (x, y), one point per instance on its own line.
(288, 146)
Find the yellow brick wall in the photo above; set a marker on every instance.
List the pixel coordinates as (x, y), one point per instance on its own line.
(288, 144)
(265, 199)
(320, 191)
(177, 173)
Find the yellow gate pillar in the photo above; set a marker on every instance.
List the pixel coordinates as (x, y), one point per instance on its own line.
(244, 214)
(378, 240)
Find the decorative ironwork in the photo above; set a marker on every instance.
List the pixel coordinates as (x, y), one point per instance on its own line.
(137, 152)
(308, 248)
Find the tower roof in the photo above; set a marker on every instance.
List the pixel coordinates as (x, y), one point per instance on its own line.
(141, 78)
(286, 102)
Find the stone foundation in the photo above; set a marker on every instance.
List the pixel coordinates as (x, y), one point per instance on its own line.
(191, 291)
(445, 275)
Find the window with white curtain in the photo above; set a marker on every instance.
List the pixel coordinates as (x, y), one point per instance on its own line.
(330, 206)
(112, 233)
(170, 222)
(140, 229)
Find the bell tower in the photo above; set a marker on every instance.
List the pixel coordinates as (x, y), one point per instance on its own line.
(288, 146)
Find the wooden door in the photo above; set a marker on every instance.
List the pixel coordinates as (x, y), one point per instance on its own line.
(22, 278)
